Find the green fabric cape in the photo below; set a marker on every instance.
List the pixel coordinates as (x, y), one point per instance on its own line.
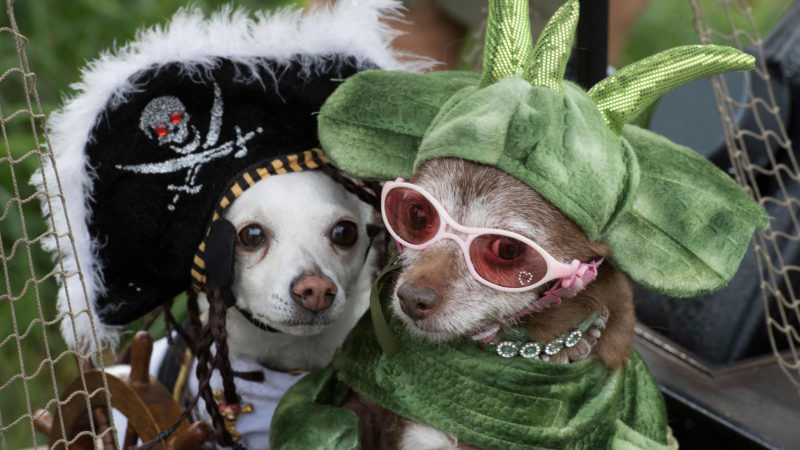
(480, 397)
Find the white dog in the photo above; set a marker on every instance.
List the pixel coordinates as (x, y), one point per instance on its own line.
(303, 269)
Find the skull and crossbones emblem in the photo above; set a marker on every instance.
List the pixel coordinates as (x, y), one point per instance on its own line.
(165, 120)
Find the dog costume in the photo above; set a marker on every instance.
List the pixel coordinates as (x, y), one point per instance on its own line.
(674, 223)
(167, 131)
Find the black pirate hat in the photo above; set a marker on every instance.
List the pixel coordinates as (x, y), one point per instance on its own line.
(170, 129)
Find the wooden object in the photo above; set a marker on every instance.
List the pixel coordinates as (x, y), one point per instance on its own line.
(146, 403)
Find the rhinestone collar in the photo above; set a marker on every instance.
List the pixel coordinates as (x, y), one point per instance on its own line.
(583, 337)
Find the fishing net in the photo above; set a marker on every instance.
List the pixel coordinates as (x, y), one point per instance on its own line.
(763, 160)
(36, 365)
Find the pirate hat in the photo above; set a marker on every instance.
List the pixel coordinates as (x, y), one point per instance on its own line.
(674, 222)
(168, 130)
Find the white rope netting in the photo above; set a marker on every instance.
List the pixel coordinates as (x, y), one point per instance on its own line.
(777, 275)
(35, 362)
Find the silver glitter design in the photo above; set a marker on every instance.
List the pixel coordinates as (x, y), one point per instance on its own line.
(157, 113)
(216, 119)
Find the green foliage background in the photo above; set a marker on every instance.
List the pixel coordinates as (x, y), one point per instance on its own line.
(62, 36)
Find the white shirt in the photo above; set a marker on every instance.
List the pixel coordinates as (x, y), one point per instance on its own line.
(253, 427)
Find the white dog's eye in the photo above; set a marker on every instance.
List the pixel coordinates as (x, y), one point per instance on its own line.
(344, 233)
(252, 236)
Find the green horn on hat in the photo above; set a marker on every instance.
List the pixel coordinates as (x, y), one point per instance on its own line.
(508, 41)
(553, 48)
(622, 96)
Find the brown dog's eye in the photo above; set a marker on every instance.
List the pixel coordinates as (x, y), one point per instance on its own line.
(417, 217)
(252, 236)
(344, 234)
(507, 248)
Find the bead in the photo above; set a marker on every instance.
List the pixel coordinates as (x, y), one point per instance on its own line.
(507, 349)
(573, 338)
(530, 350)
(554, 346)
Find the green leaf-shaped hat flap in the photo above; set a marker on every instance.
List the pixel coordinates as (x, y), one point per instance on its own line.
(689, 225)
(624, 95)
(371, 126)
(507, 51)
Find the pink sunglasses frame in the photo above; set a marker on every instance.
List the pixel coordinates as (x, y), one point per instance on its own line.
(555, 269)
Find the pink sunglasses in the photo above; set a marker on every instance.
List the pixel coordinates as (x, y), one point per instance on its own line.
(500, 259)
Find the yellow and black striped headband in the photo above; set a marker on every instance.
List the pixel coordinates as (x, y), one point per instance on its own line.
(293, 162)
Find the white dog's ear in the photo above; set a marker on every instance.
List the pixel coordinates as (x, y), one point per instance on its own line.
(221, 257)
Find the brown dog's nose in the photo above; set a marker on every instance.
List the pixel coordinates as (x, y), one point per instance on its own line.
(416, 301)
(314, 293)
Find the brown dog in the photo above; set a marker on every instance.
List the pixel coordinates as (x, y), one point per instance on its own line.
(438, 300)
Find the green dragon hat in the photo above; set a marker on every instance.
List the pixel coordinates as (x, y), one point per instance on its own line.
(674, 222)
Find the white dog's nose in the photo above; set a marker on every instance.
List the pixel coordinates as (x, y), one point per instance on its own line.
(314, 293)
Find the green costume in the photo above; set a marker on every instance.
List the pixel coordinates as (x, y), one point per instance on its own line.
(674, 223)
(485, 400)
